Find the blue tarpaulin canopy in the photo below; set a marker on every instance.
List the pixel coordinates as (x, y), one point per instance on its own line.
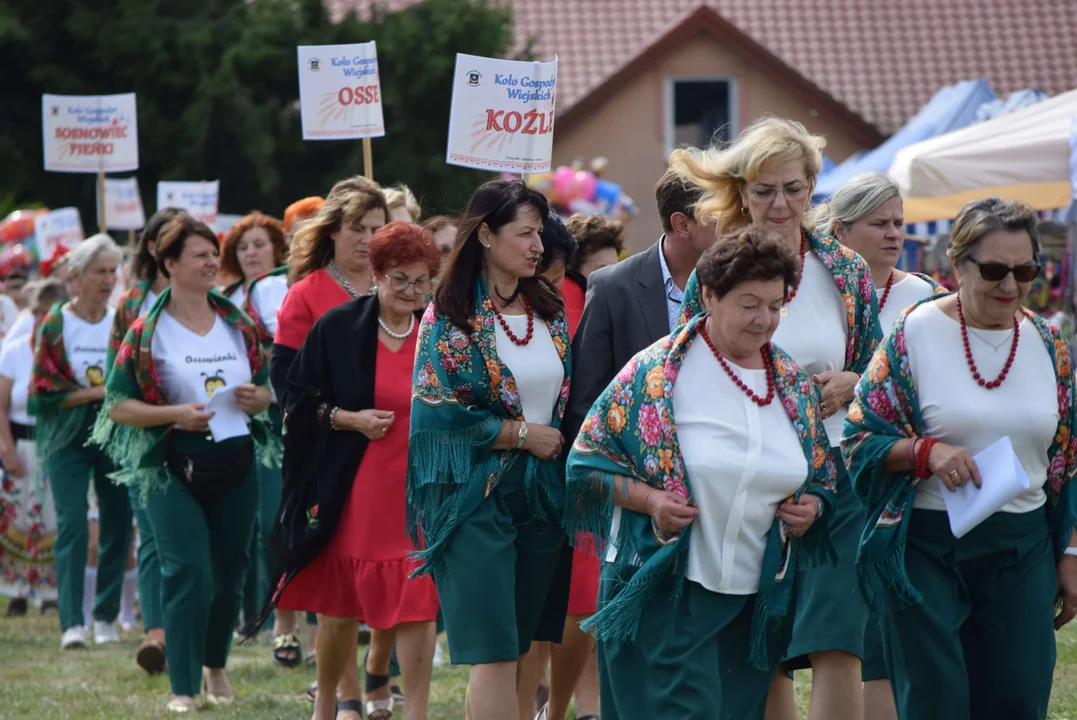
(951, 108)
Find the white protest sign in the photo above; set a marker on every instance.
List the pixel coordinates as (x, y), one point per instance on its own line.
(225, 221)
(502, 114)
(57, 230)
(197, 198)
(339, 92)
(123, 204)
(90, 133)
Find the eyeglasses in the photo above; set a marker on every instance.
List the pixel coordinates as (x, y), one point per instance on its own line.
(400, 283)
(767, 193)
(997, 272)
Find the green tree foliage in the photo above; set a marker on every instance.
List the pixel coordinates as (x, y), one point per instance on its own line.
(218, 93)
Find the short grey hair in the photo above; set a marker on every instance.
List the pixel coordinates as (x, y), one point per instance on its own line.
(979, 218)
(89, 250)
(856, 199)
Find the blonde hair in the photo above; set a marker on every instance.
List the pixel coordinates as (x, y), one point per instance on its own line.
(723, 171)
(346, 204)
(854, 200)
(980, 217)
(400, 196)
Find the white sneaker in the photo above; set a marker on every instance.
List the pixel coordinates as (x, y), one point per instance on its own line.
(104, 633)
(75, 637)
(439, 656)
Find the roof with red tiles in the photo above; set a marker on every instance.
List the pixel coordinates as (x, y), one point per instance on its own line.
(883, 59)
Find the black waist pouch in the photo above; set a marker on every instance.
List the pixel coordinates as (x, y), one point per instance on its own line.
(211, 473)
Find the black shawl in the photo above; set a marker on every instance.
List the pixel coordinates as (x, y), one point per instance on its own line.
(335, 367)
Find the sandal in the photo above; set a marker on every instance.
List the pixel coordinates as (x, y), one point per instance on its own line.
(311, 660)
(151, 657)
(286, 650)
(312, 691)
(398, 694)
(377, 709)
(355, 706)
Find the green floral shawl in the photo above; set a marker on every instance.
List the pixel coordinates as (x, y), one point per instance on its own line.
(51, 381)
(886, 409)
(140, 452)
(264, 336)
(128, 309)
(853, 279)
(461, 394)
(631, 432)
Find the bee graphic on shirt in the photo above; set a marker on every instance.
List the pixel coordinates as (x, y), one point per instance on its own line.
(94, 374)
(214, 383)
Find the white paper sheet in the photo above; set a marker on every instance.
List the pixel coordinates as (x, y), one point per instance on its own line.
(229, 421)
(1003, 480)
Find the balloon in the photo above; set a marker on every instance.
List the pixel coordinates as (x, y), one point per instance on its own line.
(14, 257)
(19, 225)
(563, 178)
(586, 184)
(606, 195)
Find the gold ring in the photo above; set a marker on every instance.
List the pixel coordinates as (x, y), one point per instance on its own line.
(954, 475)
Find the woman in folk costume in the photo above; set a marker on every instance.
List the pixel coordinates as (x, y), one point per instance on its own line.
(485, 483)
(866, 215)
(830, 329)
(27, 513)
(66, 391)
(149, 284)
(969, 622)
(341, 532)
(702, 489)
(190, 454)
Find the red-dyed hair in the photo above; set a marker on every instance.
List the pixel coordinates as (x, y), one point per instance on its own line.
(230, 268)
(301, 210)
(400, 243)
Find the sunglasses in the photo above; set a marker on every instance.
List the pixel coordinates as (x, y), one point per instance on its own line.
(997, 272)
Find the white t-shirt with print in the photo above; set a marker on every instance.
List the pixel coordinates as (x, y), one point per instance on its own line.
(147, 303)
(86, 345)
(193, 368)
(16, 362)
(267, 296)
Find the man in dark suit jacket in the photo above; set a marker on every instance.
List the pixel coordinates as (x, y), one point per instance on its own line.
(632, 304)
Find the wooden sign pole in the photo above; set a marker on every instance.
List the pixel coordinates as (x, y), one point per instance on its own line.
(131, 238)
(368, 160)
(101, 202)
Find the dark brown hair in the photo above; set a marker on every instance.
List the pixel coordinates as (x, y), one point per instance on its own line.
(400, 243)
(594, 233)
(675, 194)
(174, 235)
(749, 254)
(495, 204)
(230, 269)
(144, 265)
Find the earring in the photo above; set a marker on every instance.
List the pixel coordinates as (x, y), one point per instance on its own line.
(744, 211)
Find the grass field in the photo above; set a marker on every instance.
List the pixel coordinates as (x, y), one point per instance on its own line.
(38, 682)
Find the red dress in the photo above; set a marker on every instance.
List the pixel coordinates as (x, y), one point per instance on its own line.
(365, 567)
(306, 301)
(583, 592)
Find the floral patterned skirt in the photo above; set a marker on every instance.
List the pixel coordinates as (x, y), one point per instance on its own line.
(27, 533)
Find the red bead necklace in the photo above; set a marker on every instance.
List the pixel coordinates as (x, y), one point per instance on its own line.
(508, 331)
(886, 292)
(800, 276)
(968, 351)
(761, 402)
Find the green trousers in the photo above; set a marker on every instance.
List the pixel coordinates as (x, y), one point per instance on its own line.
(689, 660)
(204, 551)
(149, 568)
(70, 472)
(256, 586)
(981, 644)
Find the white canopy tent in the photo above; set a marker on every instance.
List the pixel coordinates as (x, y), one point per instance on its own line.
(1024, 155)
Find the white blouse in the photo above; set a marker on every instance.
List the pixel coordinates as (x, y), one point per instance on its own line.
(742, 460)
(815, 333)
(536, 367)
(958, 412)
(16, 364)
(903, 294)
(267, 296)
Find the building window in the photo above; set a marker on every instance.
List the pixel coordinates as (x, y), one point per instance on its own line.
(700, 111)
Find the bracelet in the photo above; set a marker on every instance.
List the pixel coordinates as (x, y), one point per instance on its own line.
(923, 455)
(1070, 551)
(521, 436)
(333, 419)
(910, 453)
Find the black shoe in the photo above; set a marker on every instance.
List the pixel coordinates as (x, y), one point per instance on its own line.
(17, 607)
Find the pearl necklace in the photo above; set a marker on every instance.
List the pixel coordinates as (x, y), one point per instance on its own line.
(398, 336)
(344, 282)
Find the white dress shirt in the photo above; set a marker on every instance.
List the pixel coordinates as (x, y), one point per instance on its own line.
(674, 294)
